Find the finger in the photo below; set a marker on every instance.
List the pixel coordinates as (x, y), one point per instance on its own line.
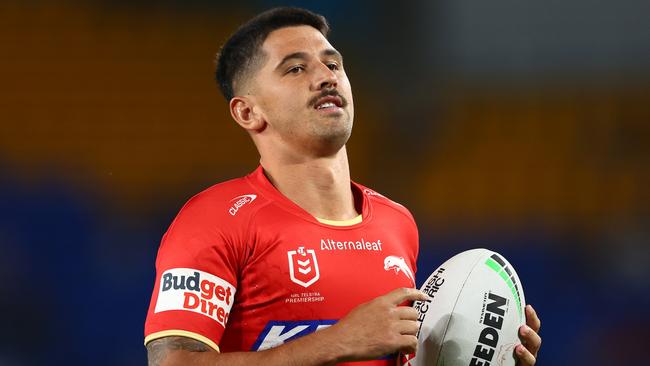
(525, 358)
(531, 340)
(532, 320)
(407, 344)
(406, 313)
(400, 295)
(408, 327)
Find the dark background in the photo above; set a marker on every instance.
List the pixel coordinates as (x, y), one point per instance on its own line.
(523, 127)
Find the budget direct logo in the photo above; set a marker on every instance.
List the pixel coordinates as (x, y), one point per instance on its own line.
(197, 291)
(240, 201)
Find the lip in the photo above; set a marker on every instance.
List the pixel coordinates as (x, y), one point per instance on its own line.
(337, 101)
(330, 110)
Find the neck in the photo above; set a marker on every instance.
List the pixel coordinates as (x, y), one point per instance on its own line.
(320, 186)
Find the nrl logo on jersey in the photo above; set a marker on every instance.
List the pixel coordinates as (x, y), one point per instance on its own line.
(303, 266)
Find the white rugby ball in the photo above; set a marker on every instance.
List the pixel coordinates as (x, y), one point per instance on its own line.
(474, 314)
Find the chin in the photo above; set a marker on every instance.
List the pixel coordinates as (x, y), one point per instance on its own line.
(331, 143)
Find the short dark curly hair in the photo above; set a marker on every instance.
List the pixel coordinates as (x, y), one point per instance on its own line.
(242, 52)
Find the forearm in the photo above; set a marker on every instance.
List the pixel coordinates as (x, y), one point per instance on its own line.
(371, 330)
(320, 348)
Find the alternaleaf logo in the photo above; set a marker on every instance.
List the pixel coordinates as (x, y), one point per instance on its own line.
(303, 266)
(398, 264)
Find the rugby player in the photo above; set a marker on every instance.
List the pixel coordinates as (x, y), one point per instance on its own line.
(293, 264)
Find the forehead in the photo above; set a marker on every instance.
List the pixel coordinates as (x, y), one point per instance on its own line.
(303, 38)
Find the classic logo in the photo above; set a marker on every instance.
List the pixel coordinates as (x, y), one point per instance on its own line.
(239, 201)
(398, 264)
(370, 192)
(303, 266)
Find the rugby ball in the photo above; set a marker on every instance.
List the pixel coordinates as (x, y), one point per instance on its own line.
(475, 309)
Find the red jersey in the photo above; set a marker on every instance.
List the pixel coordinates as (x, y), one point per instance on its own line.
(243, 268)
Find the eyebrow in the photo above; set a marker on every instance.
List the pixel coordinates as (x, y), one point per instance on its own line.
(304, 56)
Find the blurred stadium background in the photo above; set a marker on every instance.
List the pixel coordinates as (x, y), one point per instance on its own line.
(519, 126)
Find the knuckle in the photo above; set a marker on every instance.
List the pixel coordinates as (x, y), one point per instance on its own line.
(416, 328)
(392, 313)
(528, 358)
(408, 345)
(413, 343)
(410, 327)
(390, 330)
(392, 339)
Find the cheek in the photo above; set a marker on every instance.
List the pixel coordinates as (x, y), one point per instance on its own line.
(283, 110)
(277, 103)
(346, 89)
(283, 98)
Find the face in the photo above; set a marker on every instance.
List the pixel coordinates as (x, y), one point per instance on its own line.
(302, 91)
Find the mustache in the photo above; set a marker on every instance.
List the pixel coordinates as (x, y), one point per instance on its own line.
(328, 93)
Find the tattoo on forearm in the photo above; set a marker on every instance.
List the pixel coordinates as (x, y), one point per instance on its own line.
(157, 350)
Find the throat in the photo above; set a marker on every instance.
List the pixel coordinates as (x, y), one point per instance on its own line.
(324, 191)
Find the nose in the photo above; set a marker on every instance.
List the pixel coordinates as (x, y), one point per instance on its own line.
(325, 78)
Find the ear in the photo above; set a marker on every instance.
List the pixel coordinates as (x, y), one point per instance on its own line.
(243, 112)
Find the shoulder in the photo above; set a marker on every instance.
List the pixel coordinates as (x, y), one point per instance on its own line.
(220, 214)
(388, 215)
(386, 203)
(230, 200)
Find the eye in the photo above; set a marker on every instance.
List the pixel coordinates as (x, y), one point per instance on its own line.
(333, 66)
(296, 69)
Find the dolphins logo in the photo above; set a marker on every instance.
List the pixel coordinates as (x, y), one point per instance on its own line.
(398, 264)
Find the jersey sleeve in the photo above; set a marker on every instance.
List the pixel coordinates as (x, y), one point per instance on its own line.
(196, 276)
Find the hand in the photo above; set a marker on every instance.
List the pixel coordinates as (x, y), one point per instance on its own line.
(526, 352)
(378, 327)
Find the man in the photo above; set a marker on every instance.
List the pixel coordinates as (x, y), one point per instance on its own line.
(291, 260)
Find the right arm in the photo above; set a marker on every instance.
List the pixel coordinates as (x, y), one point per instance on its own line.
(369, 331)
